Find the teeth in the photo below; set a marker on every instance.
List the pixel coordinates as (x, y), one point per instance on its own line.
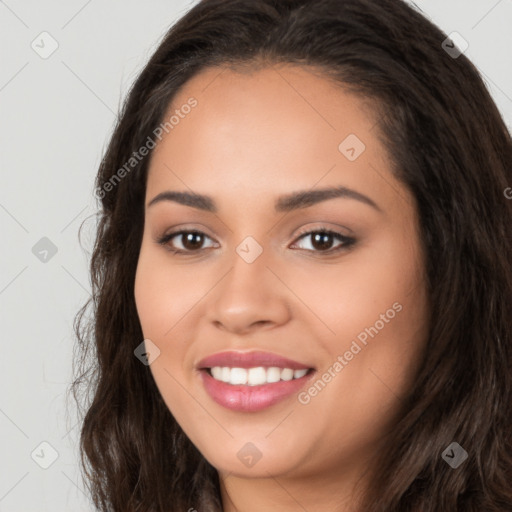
(238, 376)
(273, 374)
(255, 376)
(297, 374)
(286, 374)
(217, 373)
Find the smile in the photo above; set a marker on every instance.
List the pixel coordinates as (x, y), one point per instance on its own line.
(252, 381)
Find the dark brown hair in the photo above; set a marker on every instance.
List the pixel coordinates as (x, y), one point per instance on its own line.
(448, 145)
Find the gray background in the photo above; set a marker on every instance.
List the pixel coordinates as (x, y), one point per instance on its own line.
(56, 115)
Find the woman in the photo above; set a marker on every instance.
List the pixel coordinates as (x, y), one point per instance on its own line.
(301, 277)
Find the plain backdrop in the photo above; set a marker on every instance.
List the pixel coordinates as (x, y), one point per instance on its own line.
(56, 114)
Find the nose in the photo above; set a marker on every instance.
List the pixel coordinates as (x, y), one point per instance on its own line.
(249, 297)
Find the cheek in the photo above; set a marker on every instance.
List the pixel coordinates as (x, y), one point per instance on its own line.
(161, 301)
(364, 390)
(353, 294)
(148, 291)
(163, 292)
(378, 313)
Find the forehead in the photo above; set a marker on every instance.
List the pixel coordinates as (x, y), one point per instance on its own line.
(279, 128)
(279, 106)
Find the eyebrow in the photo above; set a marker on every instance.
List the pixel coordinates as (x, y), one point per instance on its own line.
(294, 201)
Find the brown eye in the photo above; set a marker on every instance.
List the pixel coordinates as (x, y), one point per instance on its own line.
(185, 241)
(191, 241)
(323, 241)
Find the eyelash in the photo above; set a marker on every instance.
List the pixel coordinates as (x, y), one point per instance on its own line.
(347, 242)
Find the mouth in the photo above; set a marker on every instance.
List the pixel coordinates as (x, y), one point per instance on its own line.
(252, 381)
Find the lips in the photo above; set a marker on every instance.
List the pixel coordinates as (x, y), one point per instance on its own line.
(249, 360)
(252, 397)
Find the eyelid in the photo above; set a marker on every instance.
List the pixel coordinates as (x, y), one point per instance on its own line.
(322, 227)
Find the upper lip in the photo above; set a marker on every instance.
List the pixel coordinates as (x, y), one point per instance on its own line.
(236, 359)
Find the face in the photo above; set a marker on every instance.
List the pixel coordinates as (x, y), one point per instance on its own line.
(306, 249)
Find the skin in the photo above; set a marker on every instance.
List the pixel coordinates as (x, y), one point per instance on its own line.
(253, 137)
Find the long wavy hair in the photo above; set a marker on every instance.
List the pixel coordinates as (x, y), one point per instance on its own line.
(448, 144)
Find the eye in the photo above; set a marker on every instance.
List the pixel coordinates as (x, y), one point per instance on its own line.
(322, 240)
(189, 240)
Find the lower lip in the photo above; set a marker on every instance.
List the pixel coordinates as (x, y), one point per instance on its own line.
(251, 398)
